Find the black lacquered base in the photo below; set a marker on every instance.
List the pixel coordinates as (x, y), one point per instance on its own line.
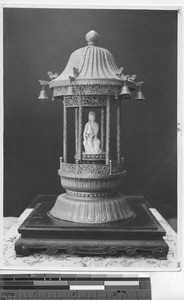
(142, 233)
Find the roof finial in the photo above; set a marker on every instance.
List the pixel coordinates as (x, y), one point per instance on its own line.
(92, 37)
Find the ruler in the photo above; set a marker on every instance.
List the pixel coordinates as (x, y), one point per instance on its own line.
(70, 286)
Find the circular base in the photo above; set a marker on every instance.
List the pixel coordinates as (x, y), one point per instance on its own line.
(90, 210)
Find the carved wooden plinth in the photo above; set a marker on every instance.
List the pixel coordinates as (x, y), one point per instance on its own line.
(140, 234)
(157, 248)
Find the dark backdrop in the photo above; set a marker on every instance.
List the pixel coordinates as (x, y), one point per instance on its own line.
(39, 40)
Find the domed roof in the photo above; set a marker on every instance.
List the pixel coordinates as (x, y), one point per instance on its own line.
(90, 65)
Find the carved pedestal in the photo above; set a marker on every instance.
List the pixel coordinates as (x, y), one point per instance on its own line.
(91, 208)
(91, 194)
(141, 233)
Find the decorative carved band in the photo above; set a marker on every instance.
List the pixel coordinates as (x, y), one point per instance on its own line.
(72, 101)
(89, 195)
(100, 156)
(92, 100)
(93, 89)
(91, 169)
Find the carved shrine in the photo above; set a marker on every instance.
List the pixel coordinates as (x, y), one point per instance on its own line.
(92, 216)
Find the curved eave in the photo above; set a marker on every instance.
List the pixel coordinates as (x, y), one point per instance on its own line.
(85, 81)
(97, 81)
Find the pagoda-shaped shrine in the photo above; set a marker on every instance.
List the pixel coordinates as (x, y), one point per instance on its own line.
(90, 85)
(92, 216)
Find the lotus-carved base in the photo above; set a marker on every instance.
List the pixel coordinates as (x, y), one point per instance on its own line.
(94, 208)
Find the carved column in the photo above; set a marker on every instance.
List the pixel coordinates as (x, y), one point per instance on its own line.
(118, 131)
(107, 131)
(102, 128)
(64, 132)
(80, 131)
(76, 129)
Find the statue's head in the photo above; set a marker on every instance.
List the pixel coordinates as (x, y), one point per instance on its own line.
(92, 116)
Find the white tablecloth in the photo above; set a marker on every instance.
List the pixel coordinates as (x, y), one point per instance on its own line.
(64, 262)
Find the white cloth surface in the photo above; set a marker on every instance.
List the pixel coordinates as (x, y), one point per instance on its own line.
(8, 223)
(61, 261)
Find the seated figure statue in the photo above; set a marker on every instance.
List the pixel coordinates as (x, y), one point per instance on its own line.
(91, 142)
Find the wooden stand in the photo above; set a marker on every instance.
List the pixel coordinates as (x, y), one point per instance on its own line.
(141, 233)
